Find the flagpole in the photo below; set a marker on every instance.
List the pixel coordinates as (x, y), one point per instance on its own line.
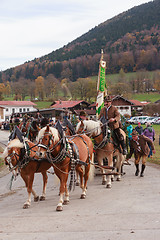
(100, 85)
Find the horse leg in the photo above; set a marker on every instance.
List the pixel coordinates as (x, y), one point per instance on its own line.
(77, 179)
(86, 176)
(79, 171)
(45, 178)
(63, 182)
(120, 159)
(29, 182)
(100, 162)
(66, 199)
(110, 164)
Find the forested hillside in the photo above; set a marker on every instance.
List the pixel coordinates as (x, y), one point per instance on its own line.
(131, 41)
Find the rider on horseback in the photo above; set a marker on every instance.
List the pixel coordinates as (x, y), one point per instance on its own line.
(112, 116)
(82, 115)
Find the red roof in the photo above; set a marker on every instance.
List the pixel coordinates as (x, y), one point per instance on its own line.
(138, 103)
(66, 104)
(17, 103)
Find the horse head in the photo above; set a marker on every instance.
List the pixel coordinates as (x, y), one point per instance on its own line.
(48, 139)
(89, 127)
(14, 154)
(68, 128)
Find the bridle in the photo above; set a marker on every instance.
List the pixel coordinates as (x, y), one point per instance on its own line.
(21, 161)
(9, 159)
(50, 148)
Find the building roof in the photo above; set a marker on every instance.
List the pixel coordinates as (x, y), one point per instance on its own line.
(17, 103)
(88, 111)
(138, 103)
(67, 104)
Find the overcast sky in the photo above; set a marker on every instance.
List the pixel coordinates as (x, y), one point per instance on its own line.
(33, 28)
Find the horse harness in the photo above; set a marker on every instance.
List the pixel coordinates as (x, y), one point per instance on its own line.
(24, 157)
(68, 149)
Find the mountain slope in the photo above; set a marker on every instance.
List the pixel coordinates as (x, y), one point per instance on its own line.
(136, 19)
(130, 41)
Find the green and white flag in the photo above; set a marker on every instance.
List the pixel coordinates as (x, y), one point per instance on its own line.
(101, 86)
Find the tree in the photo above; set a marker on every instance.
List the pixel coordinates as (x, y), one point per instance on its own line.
(51, 86)
(7, 89)
(39, 90)
(2, 90)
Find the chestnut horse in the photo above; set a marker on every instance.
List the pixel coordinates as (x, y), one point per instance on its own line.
(22, 157)
(104, 148)
(66, 155)
(30, 128)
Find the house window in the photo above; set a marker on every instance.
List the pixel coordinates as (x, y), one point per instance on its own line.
(20, 110)
(24, 109)
(27, 109)
(13, 110)
(6, 109)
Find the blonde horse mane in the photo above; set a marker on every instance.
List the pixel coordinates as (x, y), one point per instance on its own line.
(52, 130)
(91, 126)
(13, 143)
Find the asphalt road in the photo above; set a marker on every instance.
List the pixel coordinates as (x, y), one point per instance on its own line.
(130, 210)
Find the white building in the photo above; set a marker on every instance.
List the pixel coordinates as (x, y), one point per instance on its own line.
(7, 108)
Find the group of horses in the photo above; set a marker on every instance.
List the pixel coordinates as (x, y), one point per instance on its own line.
(69, 151)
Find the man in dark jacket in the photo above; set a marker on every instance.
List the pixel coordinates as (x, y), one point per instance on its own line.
(112, 115)
(139, 146)
(139, 129)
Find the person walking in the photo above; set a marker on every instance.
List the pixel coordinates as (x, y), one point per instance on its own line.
(139, 146)
(129, 131)
(150, 133)
(139, 128)
(112, 115)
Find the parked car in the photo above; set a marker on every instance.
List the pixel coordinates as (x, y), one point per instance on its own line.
(135, 120)
(150, 120)
(157, 120)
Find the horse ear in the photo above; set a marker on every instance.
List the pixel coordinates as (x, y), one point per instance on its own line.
(82, 124)
(47, 128)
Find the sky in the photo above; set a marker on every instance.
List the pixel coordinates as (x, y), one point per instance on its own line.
(33, 28)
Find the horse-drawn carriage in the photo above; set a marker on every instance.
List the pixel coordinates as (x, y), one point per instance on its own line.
(66, 152)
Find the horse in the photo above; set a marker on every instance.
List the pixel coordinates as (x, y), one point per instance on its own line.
(104, 148)
(30, 129)
(22, 157)
(66, 155)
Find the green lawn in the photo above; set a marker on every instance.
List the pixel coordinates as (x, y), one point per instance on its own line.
(149, 97)
(43, 104)
(1, 160)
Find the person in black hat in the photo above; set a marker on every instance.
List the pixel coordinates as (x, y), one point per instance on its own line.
(82, 115)
(139, 146)
(112, 115)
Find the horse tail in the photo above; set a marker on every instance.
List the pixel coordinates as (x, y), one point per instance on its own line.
(92, 168)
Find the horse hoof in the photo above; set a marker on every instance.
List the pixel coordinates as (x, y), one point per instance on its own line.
(66, 202)
(104, 182)
(59, 208)
(36, 199)
(118, 179)
(25, 206)
(112, 179)
(83, 196)
(77, 184)
(108, 186)
(42, 198)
